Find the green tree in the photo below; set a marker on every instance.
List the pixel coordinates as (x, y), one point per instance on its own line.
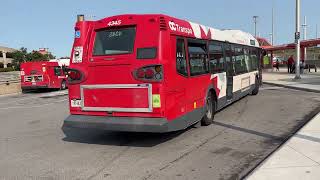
(36, 56)
(19, 56)
(22, 55)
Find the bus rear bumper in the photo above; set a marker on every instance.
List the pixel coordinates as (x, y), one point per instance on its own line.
(26, 87)
(127, 124)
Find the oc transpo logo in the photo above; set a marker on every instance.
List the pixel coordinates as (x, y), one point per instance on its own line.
(176, 27)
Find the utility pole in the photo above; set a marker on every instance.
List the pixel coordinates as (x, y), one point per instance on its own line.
(255, 21)
(272, 26)
(304, 25)
(316, 31)
(297, 39)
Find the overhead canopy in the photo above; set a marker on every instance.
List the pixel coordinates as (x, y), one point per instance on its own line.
(303, 43)
(264, 43)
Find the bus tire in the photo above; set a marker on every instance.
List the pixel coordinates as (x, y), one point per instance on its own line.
(23, 91)
(255, 91)
(210, 110)
(63, 85)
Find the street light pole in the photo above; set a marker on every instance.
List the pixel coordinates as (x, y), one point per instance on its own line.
(297, 38)
(272, 36)
(304, 25)
(255, 20)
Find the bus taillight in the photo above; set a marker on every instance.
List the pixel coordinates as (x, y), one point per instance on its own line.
(149, 73)
(152, 73)
(74, 76)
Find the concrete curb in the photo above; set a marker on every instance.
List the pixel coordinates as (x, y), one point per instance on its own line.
(292, 87)
(10, 88)
(309, 118)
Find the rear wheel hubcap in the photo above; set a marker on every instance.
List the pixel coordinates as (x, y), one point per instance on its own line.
(209, 108)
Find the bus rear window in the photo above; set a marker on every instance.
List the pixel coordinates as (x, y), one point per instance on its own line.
(115, 41)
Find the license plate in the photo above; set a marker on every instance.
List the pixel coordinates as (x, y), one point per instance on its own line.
(33, 84)
(75, 103)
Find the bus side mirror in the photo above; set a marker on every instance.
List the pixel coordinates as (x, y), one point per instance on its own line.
(264, 52)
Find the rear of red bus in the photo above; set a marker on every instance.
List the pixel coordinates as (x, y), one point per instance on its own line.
(41, 75)
(117, 78)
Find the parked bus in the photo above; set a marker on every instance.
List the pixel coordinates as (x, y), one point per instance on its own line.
(43, 75)
(156, 73)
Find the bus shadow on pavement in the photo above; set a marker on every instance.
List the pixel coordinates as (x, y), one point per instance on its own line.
(134, 139)
(249, 131)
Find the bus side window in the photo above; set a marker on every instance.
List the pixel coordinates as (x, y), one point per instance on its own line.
(229, 60)
(248, 59)
(198, 58)
(240, 64)
(254, 58)
(64, 69)
(57, 71)
(181, 60)
(216, 59)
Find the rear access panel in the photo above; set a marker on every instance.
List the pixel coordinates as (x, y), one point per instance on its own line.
(117, 97)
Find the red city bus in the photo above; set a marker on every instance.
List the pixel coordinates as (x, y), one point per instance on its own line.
(42, 74)
(156, 73)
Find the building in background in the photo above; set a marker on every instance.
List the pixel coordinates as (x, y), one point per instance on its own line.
(44, 51)
(313, 53)
(5, 56)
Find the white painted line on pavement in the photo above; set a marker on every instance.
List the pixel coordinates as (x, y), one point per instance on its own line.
(51, 94)
(271, 88)
(21, 99)
(27, 107)
(8, 95)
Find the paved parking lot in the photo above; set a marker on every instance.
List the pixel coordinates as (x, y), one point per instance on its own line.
(32, 145)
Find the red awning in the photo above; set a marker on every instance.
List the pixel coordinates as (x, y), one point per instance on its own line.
(304, 43)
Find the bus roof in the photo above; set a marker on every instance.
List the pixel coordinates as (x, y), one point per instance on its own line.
(42, 63)
(61, 62)
(187, 28)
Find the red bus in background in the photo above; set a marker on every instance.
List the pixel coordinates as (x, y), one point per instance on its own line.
(43, 75)
(156, 73)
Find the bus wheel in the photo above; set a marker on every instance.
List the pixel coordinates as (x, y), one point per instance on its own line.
(255, 91)
(63, 85)
(210, 111)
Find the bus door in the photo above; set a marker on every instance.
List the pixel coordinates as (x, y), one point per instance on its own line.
(229, 67)
(177, 103)
(199, 72)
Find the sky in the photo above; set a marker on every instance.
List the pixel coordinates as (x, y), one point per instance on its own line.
(35, 24)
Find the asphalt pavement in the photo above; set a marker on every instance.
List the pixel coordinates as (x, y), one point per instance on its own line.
(32, 145)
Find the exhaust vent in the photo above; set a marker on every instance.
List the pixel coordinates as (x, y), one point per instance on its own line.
(163, 24)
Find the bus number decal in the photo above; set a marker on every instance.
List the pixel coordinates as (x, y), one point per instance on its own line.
(114, 23)
(115, 34)
(180, 55)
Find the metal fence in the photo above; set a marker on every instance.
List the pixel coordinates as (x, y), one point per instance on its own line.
(8, 82)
